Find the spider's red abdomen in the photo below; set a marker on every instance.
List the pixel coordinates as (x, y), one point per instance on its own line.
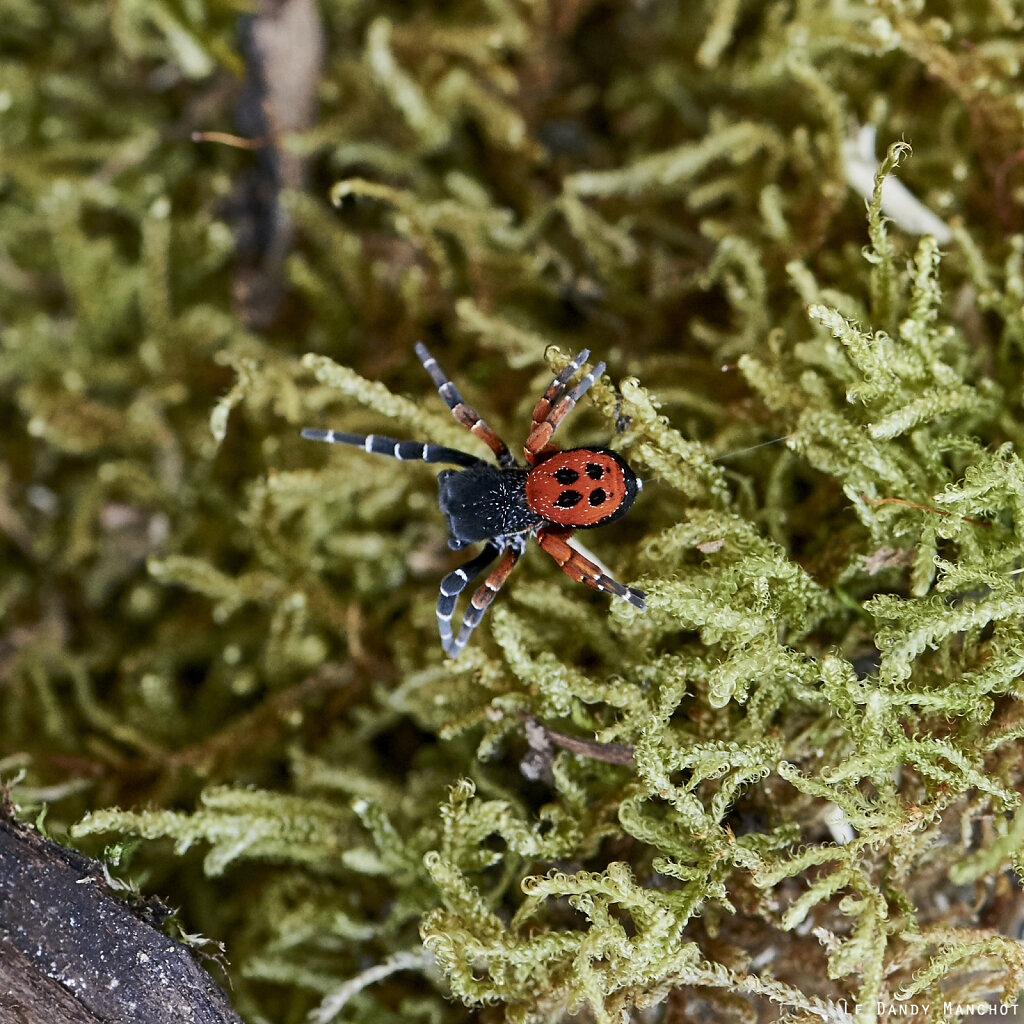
(581, 487)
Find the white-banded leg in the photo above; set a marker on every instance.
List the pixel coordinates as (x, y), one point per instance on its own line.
(452, 585)
(556, 387)
(580, 568)
(465, 414)
(546, 421)
(484, 595)
(408, 451)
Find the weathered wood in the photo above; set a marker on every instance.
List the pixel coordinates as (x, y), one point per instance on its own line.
(72, 952)
(28, 997)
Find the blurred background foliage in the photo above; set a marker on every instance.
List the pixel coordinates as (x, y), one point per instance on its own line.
(795, 779)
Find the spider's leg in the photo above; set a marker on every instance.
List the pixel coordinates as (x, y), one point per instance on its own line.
(483, 597)
(554, 391)
(452, 585)
(541, 433)
(405, 450)
(465, 414)
(556, 387)
(556, 543)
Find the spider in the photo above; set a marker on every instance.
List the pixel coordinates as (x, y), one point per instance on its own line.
(556, 493)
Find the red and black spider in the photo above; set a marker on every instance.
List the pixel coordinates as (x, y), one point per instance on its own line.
(556, 493)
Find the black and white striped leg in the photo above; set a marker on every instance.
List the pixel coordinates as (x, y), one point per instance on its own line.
(407, 451)
(484, 595)
(465, 414)
(451, 586)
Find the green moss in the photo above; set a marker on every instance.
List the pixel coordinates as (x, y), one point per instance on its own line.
(773, 786)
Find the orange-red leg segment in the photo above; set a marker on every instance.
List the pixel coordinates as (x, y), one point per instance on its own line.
(582, 569)
(551, 410)
(465, 414)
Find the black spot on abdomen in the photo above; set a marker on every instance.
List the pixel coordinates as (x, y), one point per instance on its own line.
(569, 498)
(565, 475)
(594, 471)
(597, 496)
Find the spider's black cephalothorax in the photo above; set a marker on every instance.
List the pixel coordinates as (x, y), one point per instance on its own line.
(484, 502)
(557, 493)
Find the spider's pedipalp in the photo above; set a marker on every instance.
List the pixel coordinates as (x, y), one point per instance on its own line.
(543, 429)
(580, 568)
(465, 414)
(407, 451)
